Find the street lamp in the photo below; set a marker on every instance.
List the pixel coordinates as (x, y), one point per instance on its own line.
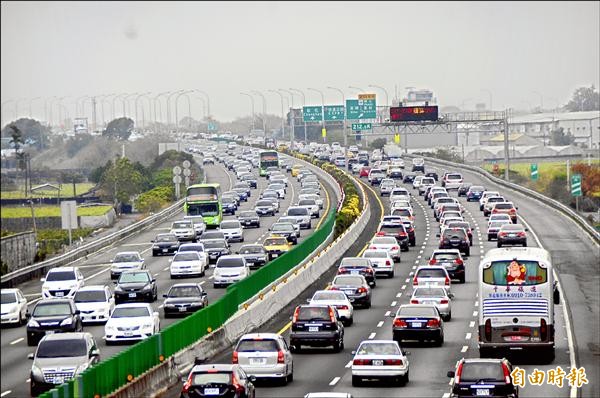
(322, 111)
(135, 105)
(126, 103)
(264, 101)
(17, 106)
(157, 100)
(290, 92)
(169, 105)
(252, 101)
(387, 103)
(358, 88)
(282, 117)
(207, 101)
(176, 108)
(490, 95)
(301, 93)
(114, 106)
(344, 105)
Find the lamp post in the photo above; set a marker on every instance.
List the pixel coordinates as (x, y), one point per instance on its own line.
(114, 106)
(126, 103)
(301, 93)
(344, 105)
(102, 98)
(47, 115)
(282, 117)
(252, 101)
(17, 106)
(490, 95)
(177, 110)
(135, 105)
(322, 112)
(157, 100)
(387, 98)
(360, 90)
(291, 101)
(60, 108)
(207, 101)
(169, 106)
(264, 106)
(541, 100)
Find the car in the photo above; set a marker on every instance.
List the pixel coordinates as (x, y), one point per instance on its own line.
(276, 246)
(476, 377)
(216, 248)
(358, 266)
(484, 196)
(404, 212)
(506, 208)
(131, 322)
(208, 160)
(499, 217)
(462, 224)
(242, 192)
(364, 171)
(418, 164)
(380, 359)
(265, 207)
(395, 173)
(381, 260)
(199, 224)
(421, 322)
(195, 247)
(435, 295)
(489, 204)
(314, 197)
(397, 231)
(434, 195)
(443, 204)
(50, 316)
(233, 231)
(388, 243)
(432, 174)
(386, 186)
(285, 229)
(59, 358)
(220, 380)
(187, 263)
(399, 194)
(237, 197)
(184, 299)
(255, 255)
(230, 269)
(164, 244)
(293, 221)
(429, 275)
(316, 326)
(279, 188)
(474, 192)
(62, 282)
(264, 356)
(126, 261)
(296, 169)
(355, 287)
(452, 180)
(311, 205)
(250, 179)
(424, 184)
(375, 176)
(463, 189)
(338, 300)
(95, 303)
(245, 186)
(455, 238)
(512, 234)
(452, 260)
(494, 227)
(14, 307)
(184, 230)
(409, 227)
(302, 215)
(409, 178)
(447, 215)
(229, 205)
(135, 286)
(417, 181)
(400, 204)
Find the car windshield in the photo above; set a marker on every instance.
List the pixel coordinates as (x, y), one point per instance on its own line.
(445, 256)
(130, 312)
(203, 209)
(503, 206)
(348, 280)
(384, 241)
(476, 188)
(166, 238)
(258, 345)
(431, 273)
(134, 277)
(62, 348)
(295, 211)
(313, 313)
(234, 262)
(60, 276)
(458, 224)
(184, 291)
(9, 298)
(430, 292)
(512, 228)
(215, 244)
(306, 202)
(453, 177)
(251, 249)
(421, 310)
(472, 372)
(328, 295)
(392, 228)
(181, 225)
(378, 349)
(264, 203)
(349, 262)
(498, 224)
(282, 227)
(199, 379)
(454, 233)
(90, 296)
(275, 241)
(213, 235)
(247, 214)
(375, 254)
(427, 180)
(52, 309)
(230, 225)
(126, 258)
(191, 248)
(186, 256)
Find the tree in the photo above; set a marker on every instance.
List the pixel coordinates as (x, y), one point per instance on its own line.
(32, 132)
(378, 143)
(560, 138)
(584, 99)
(121, 181)
(119, 129)
(590, 178)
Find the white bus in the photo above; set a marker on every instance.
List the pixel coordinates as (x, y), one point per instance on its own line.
(517, 294)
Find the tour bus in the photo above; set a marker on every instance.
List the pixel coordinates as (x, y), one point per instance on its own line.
(204, 200)
(517, 294)
(267, 159)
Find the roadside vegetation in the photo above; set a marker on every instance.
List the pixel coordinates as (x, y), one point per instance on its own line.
(65, 191)
(50, 211)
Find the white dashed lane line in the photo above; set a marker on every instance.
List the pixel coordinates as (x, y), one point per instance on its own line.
(472, 324)
(5, 393)
(387, 313)
(372, 336)
(468, 336)
(348, 365)
(475, 313)
(380, 324)
(334, 381)
(403, 287)
(17, 341)
(465, 348)
(398, 295)
(393, 304)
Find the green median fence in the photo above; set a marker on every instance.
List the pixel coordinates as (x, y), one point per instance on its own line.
(114, 372)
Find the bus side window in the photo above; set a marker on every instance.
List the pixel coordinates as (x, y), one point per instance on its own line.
(556, 294)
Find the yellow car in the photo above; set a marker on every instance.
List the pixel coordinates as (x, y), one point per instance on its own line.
(295, 169)
(276, 245)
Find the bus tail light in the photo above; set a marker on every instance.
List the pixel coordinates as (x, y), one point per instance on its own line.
(488, 330)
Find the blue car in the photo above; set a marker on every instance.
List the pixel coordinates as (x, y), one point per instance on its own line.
(474, 193)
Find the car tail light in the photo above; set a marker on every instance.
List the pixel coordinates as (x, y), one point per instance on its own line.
(522, 234)
(362, 290)
(280, 357)
(506, 373)
(512, 211)
(187, 385)
(361, 362)
(369, 270)
(397, 362)
(236, 384)
(403, 234)
(333, 288)
(342, 270)
(342, 307)
(443, 301)
(372, 247)
(296, 312)
(501, 234)
(400, 323)
(458, 373)
(447, 281)
(415, 281)
(432, 323)
(458, 261)
(388, 262)
(488, 330)
(432, 261)
(395, 248)
(234, 358)
(380, 233)
(543, 330)
(414, 301)
(331, 315)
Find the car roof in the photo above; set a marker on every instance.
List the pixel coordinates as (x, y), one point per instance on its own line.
(440, 251)
(91, 288)
(10, 290)
(59, 269)
(67, 336)
(186, 284)
(130, 252)
(133, 305)
(250, 336)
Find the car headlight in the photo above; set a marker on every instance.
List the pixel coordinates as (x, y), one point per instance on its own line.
(45, 288)
(33, 323)
(109, 328)
(147, 287)
(36, 373)
(66, 322)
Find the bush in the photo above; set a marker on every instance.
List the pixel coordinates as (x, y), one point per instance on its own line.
(155, 199)
(51, 241)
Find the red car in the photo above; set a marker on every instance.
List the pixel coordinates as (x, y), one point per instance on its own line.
(364, 171)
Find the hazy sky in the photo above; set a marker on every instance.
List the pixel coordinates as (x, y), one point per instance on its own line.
(455, 49)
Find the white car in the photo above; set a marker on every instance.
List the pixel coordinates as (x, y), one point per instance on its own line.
(435, 295)
(379, 359)
(199, 224)
(484, 196)
(424, 183)
(490, 202)
(313, 196)
(125, 261)
(386, 243)
(195, 247)
(62, 282)
(387, 186)
(264, 356)
(311, 205)
(14, 306)
(399, 194)
(187, 263)
(452, 180)
(499, 217)
(131, 322)
(233, 230)
(382, 261)
(184, 230)
(302, 216)
(279, 188)
(337, 299)
(417, 182)
(400, 204)
(95, 303)
(230, 269)
(430, 275)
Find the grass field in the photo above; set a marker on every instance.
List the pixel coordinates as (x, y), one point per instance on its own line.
(49, 211)
(66, 191)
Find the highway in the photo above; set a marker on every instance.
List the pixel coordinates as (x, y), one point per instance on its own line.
(15, 365)
(322, 370)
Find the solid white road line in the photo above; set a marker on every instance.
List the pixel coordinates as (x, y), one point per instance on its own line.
(334, 381)
(380, 324)
(5, 393)
(372, 336)
(348, 365)
(17, 341)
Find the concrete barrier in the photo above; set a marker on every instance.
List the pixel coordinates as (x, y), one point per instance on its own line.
(18, 250)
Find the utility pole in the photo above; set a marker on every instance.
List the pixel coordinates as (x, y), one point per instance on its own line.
(344, 105)
(93, 114)
(506, 151)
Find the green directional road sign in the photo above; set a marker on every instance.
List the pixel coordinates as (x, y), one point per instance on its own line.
(334, 112)
(534, 171)
(312, 113)
(576, 185)
(361, 109)
(361, 126)
(352, 109)
(212, 126)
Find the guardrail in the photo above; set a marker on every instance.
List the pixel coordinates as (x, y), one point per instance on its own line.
(40, 269)
(565, 210)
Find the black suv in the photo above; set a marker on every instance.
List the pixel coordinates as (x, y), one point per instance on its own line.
(455, 238)
(52, 315)
(409, 178)
(317, 326)
(432, 174)
(220, 380)
(476, 377)
(135, 286)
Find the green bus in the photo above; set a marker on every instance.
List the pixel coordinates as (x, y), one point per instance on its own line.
(204, 200)
(267, 159)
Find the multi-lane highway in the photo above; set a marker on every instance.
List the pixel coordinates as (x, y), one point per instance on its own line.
(16, 366)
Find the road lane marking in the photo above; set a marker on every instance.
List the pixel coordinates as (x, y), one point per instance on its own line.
(17, 341)
(334, 381)
(134, 244)
(398, 295)
(166, 268)
(472, 324)
(348, 365)
(477, 304)
(407, 279)
(387, 313)
(5, 393)
(465, 348)
(393, 304)
(475, 313)
(403, 287)
(380, 324)
(468, 336)
(372, 336)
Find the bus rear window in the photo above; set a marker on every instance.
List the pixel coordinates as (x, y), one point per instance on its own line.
(515, 273)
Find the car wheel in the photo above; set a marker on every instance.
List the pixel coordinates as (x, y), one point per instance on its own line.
(413, 243)
(468, 253)
(337, 346)
(499, 244)
(405, 378)
(356, 381)
(295, 348)
(525, 244)
(368, 305)
(290, 377)
(391, 274)
(440, 341)
(462, 279)
(153, 254)
(20, 321)
(31, 341)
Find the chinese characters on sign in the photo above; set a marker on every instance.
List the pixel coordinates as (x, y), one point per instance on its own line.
(575, 378)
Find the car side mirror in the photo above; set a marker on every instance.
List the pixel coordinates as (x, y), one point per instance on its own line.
(30, 355)
(252, 379)
(526, 229)
(237, 252)
(115, 282)
(95, 353)
(451, 296)
(153, 279)
(353, 352)
(155, 313)
(450, 374)
(407, 353)
(556, 296)
(392, 315)
(437, 235)
(165, 295)
(516, 208)
(204, 294)
(43, 280)
(77, 312)
(152, 241)
(27, 315)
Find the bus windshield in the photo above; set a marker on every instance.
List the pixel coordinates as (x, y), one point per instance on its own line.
(515, 272)
(203, 209)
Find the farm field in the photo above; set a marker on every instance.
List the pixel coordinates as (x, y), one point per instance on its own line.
(66, 191)
(50, 211)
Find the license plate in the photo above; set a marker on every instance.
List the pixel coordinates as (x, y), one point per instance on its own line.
(128, 334)
(258, 361)
(512, 235)
(274, 255)
(313, 328)
(165, 250)
(131, 295)
(377, 362)
(49, 331)
(354, 272)
(211, 391)
(482, 392)
(59, 380)
(182, 309)
(59, 294)
(417, 324)
(349, 291)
